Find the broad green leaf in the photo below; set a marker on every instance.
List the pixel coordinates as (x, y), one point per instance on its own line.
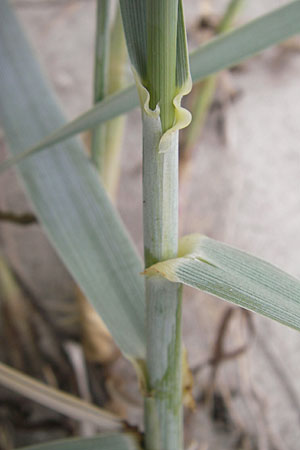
(67, 196)
(101, 442)
(57, 400)
(234, 276)
(220, 53)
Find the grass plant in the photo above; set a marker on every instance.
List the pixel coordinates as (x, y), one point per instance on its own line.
(82, 224)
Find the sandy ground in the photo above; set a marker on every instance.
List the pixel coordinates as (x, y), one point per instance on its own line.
(242, 187)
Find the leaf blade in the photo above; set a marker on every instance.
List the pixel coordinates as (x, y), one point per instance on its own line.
(235, 276)
(68, 196)
(245, 41)
(101, 442)
(57, 400)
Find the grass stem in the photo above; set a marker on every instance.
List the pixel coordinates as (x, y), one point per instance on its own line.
(110, 172)
(163, 405)
(100, 78)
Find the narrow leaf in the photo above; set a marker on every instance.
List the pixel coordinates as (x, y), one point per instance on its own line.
(234, 276)
(102, 442)
(67, 195)
(57, 400)
(112, 106)
(228, 50)
(220, 53)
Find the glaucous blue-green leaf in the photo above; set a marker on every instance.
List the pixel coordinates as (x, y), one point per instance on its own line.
(235, 276)
(67, 195)
(102, 442)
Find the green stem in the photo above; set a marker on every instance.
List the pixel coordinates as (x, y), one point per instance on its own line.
(163, 405)
(205, 92)
(230, 15)
(100, 78)
(109, 78)
(110, 172)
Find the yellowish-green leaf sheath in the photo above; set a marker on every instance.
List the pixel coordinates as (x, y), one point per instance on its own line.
(67, 195)
(220, 53)
(101, 442)
(234, 276)
(59, 401)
